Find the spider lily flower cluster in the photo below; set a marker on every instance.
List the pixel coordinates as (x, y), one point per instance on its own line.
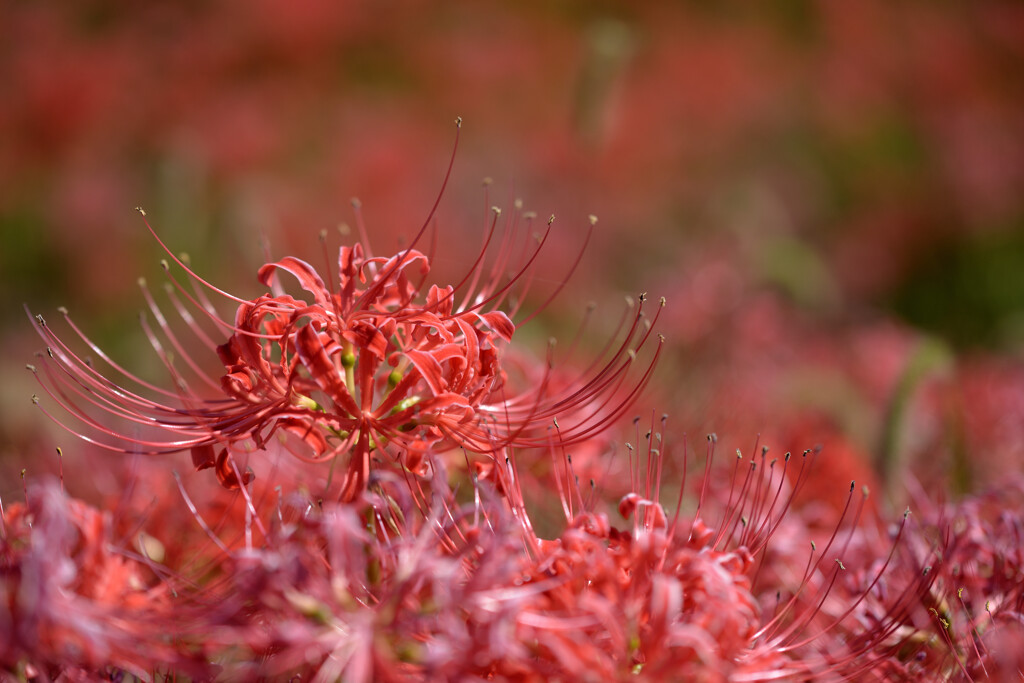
(424, 560)
(395, 585)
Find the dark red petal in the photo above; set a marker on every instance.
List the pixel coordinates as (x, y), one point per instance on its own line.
(203, 457)
(226, 472)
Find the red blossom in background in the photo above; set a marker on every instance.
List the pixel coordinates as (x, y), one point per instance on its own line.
(77, 602)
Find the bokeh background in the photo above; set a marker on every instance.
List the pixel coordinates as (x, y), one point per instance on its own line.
(830, 195)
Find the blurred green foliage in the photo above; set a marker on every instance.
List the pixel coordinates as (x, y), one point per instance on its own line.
(969, 291)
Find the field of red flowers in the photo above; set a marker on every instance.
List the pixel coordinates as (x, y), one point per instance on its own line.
(512, 341)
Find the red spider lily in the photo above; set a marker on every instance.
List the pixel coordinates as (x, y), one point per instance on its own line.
(450, 591)
(404, 587)
(374, 367)
(717, 601)
(974, 624)
(74, 602)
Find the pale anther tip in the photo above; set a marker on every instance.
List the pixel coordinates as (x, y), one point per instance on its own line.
(140, 210)
(62, 310)
(458, 122)
(593, 219)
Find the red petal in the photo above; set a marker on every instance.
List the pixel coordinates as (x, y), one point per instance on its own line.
(303, 272)
(366, 336)
(226, 472)
(500, 323)
(307, 431)
(203, 457)
(314, 356)
(429, 369)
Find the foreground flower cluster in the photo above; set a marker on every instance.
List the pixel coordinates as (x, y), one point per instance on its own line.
(381, 448)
